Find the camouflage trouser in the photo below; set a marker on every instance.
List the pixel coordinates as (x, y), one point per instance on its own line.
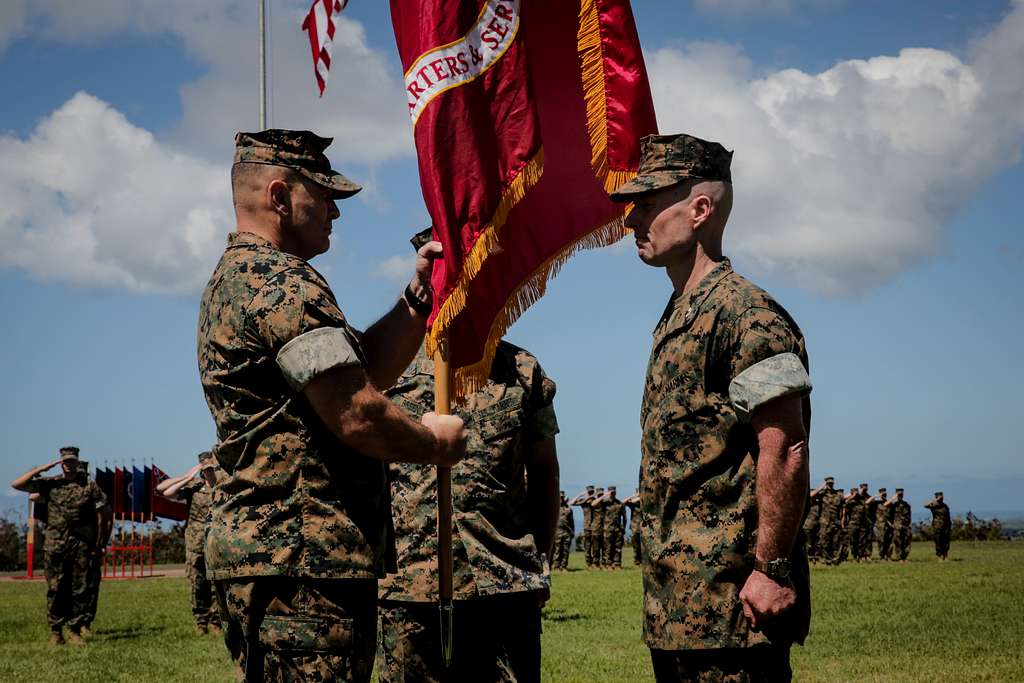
(942, 542)
(900, 543)
(67, 562)
(204, 604)
(811, 531)
(635, 542)
(588, 546)
(597, 540)
(855, 541)
(563, 543)
(286, 629)
(829, 542)
(761, 663)
(884, 536)
(496, 640)
(95, 577)
(613, 547)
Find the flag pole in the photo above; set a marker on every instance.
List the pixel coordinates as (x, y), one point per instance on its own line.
(263, 64)
(442, 406)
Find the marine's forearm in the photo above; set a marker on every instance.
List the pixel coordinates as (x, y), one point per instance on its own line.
(782, 476)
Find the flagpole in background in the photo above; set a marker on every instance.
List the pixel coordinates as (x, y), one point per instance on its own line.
(443, 406)
(263, 64)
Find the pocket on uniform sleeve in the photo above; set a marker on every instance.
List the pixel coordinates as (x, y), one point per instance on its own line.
(305, 634)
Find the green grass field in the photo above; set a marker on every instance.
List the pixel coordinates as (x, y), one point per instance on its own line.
(922, 621)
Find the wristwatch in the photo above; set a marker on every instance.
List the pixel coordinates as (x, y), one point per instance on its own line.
(423, 308)
(778, 569)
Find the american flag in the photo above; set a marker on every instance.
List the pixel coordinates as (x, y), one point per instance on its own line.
(319, 23)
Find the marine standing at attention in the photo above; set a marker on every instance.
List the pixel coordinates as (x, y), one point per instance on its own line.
(725, 417)
(941, 525)
(300, 527)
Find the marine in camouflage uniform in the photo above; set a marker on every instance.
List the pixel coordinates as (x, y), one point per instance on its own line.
(812, 524)
(299, 531)
(614, 529)
(942, 526)
(882, 519)
(583, 500)
(564, 535)
(597, 507)
(901, 518)
(724, 353)
(633, 503)
(856, 524)
(830, 524)
(197, 492)
(500, 536)
(74, 515)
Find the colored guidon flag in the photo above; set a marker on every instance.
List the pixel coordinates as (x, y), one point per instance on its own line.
(319, 24)
(526, 115)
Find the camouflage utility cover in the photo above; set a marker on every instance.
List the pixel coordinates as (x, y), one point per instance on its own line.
(940, 515)
(494, 548)
(300, 150)
(566, 521)
(698, 467)
(669, 159)
(614, 511)
(901, 515)
(294, 500)
(831, 504)
(71, 504)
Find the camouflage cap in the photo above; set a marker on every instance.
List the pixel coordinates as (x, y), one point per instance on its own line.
(863, 486)
(297, 149)
(666, 160)
(69, 453)
(206, 459)
(882, 490)
(899, 490)
(938, 493)
(827, 479)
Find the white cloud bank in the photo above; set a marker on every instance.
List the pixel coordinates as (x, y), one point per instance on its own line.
(846, 177)
(91, 199)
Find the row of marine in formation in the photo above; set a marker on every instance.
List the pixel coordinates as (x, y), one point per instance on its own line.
(841, 526)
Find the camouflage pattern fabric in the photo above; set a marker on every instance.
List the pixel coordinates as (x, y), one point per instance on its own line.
(294, 500)
(941, 527)
(93, 579)
(588, 520)
(597, 534)
(812, 528)
(856, 527)
(901, 519)
(199, 497)
(614, 532)
(563, 536)
(494, 547)
(309, 631)
(758, 664)
(497, 640)
(69, 545)
(883, 530)
(830, 529)
(669, 159)
(698, 468)
(300, 150)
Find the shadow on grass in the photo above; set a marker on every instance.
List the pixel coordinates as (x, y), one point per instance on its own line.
(127, 633)
(561, 615)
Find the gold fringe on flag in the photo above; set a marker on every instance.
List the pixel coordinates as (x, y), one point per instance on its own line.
(588, 44)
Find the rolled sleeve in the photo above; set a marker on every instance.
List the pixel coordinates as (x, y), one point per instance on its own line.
(314, 353)
(770, 379)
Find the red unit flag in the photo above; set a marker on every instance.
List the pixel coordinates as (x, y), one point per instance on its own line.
(319, 24)
(526, 114)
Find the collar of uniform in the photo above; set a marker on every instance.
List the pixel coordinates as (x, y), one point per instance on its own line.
(683, 308)
(244, 239)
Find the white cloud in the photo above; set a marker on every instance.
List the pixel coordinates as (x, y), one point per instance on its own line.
(846, 177)
(91, 199)
(398, 268)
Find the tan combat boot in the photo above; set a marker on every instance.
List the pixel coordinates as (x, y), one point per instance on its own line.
(75, 638)
(56, 638)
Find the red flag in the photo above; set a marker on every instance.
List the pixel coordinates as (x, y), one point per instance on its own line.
(526, 114)
(162, 506)
(319, 24)
(118, 502)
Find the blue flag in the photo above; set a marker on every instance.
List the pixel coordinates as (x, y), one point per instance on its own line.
(138, 490)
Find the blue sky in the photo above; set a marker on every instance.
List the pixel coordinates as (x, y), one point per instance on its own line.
(878, 189)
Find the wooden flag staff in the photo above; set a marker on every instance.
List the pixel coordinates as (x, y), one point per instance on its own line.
(443, 406)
